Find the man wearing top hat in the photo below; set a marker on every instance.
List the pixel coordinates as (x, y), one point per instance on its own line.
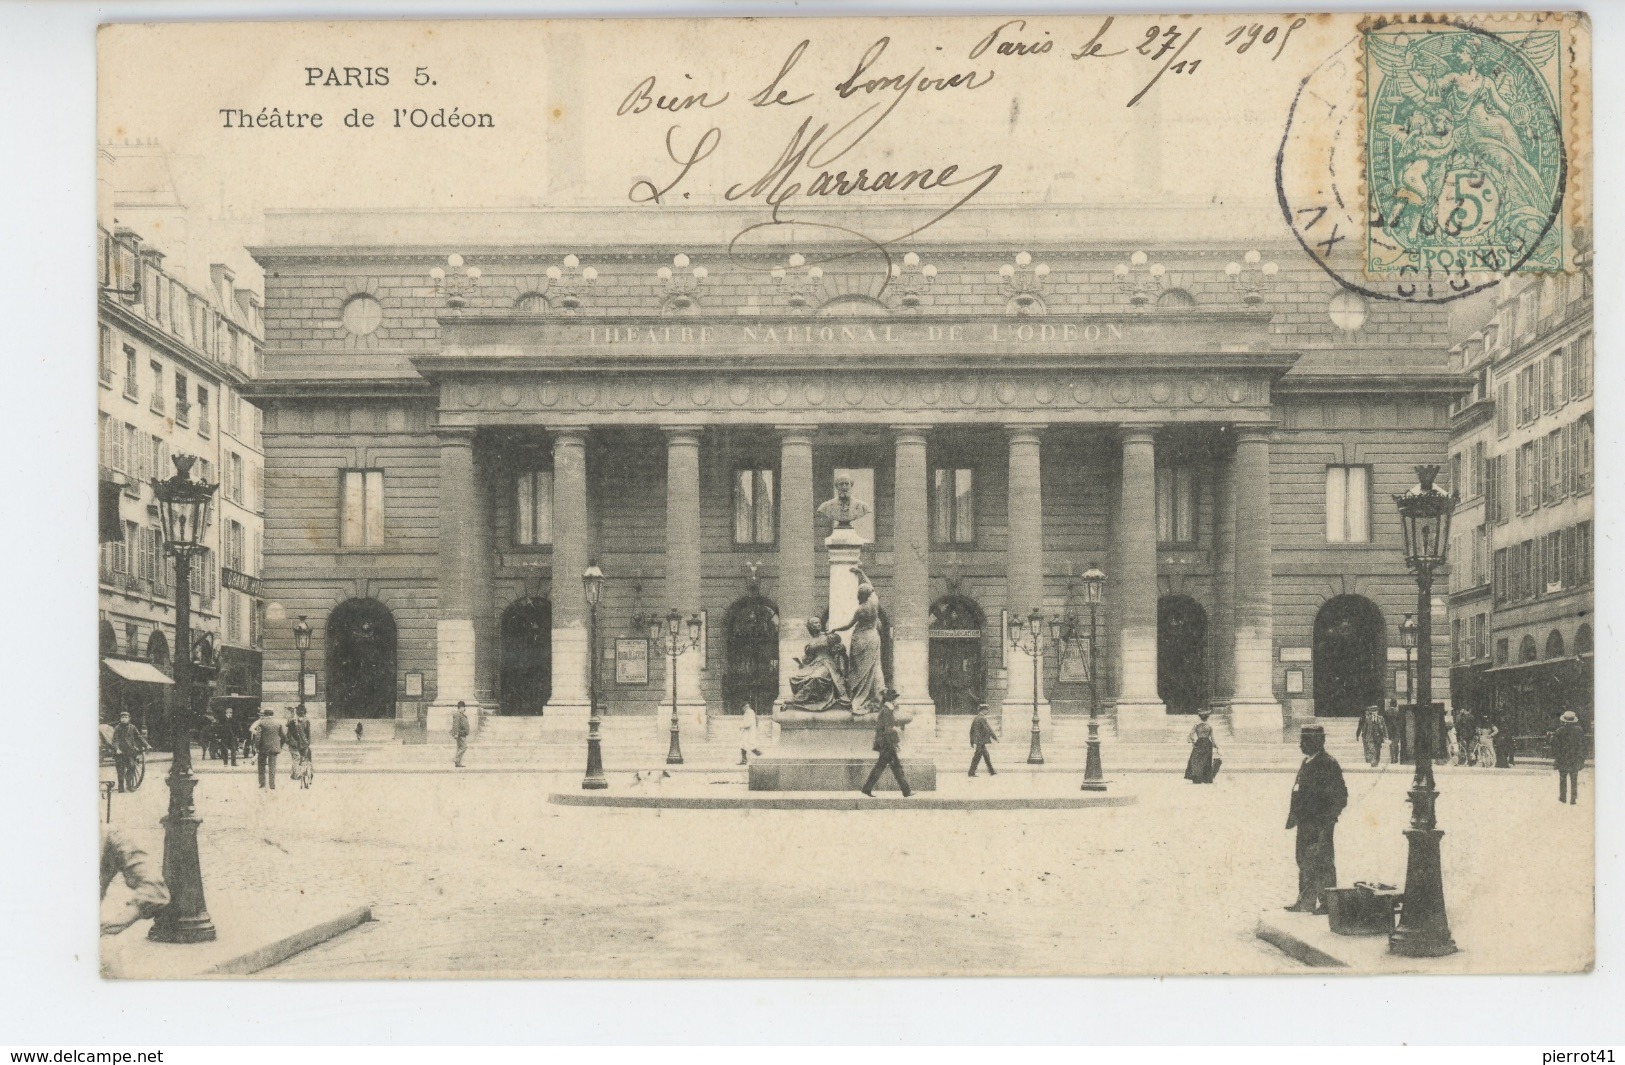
(1318, 798)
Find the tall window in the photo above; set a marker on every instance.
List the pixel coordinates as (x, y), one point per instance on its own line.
(1494, 504)
(1551, 561)
(158, 392)
(132, 379)
(1582, 553)
(104, 356)
(135, 459)
(533, 508)
(1478, 646)
(1503, 409)
(1580, 371)
(1176, 505)
(236, 541)
(361, 509)
(234, 477)
(1348, 505)
(953, 506)
(183, 399)
(754, 506)
(203, 427)
(1478, 469)
(1582, 435)
(234, 618)
(1557, 392)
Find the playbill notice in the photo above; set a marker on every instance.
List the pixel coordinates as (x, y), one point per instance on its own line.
(994, 495)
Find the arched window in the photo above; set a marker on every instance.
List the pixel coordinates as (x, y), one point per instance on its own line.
(1175, 299)
(526, 682)
(158, 651)
(958, 678)
(1349, 656)
(1181, 654)
(1527, 651)
(1554, 644)
(530, 303)
(751, 674)
(1582, 640)
(853, 306)
(107, 637)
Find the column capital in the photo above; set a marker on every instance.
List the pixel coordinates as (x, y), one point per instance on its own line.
(796, 434)
(1138, 432)
(682, 434)
(1025, 434)
(454, 435)
(1254, 434)
(910, 432)
(570, 435)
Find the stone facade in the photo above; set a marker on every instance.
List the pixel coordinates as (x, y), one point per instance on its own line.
(1175, 423)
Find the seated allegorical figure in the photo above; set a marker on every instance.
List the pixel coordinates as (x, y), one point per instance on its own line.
(820, 684)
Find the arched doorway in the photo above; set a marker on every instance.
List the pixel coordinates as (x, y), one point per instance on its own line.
(1349, 655)
(527, 657)
(360, 660)
(1528, 651)
(1554, 644)
(1582, 640)
(1181, 654)
(158, 651)
(958, 676)
(107, 638)
(751, 674)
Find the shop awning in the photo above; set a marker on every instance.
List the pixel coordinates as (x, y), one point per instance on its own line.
(1573, 659)
(140, 672)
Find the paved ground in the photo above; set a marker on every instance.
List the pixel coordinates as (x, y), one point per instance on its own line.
(478, 875)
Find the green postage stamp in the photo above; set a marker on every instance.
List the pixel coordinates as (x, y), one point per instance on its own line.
(1467, 167)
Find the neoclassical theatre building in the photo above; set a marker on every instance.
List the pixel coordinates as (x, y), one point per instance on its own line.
(466, 410)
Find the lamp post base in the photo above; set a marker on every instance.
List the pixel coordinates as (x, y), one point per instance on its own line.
(1424, 927)
(1035, 750)
(186, 918)
(674, 753)
(594, 780)
(1094, 778)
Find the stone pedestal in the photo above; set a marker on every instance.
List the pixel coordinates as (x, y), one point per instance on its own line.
(833, 751)
(845, 551)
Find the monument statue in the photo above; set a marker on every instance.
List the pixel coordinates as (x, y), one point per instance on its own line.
(865, 676)
(843, 510)
(820, 684)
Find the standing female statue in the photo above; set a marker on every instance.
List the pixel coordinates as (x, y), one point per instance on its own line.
(865, 677)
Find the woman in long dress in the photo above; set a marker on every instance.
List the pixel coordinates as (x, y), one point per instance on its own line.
(865, 676)
(820, 684)
(1199, 767)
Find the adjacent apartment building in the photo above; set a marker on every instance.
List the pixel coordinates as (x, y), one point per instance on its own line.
(1521, 595)
(172, 359)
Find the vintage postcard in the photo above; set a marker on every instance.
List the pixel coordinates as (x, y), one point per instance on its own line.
(1000, 495)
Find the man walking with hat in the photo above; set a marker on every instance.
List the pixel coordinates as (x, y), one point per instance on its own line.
(1569, 756)
(1318, 798)
(268, 735)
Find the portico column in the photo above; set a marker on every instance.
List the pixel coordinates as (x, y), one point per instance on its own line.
(1254, 710)
(910, 613)
(798, 559)
(1025, 560)
(1139, 707)
(1224, 579)
(455, 633)
(683, 566)
(569, 705)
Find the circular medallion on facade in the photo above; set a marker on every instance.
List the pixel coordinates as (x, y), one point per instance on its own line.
(1044, 393)
(739, 394)
(547, 394)
(700, 394)
(1005, 391)
(362, 314)
(587, 395)
(1199, 392)
(663, 395)
(969, 392)
(778, 394)
(931, 392)
(854, 394)
(1122, 390)
(470, 396)
(1083, 391)
(816, 394)
(1161, 391)
(625, 394)
(510, 396)
(1235, 392)
(892, 394)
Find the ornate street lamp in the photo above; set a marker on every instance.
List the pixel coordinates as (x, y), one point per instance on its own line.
(1094, 586)
(1407, 640)
(184, 511)
(1424, 927)
(667, 634)
(301, 641)
(1027, 636)
(592, 584)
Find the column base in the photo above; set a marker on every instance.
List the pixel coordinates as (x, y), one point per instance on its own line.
(1256, 720)
(1145, 721)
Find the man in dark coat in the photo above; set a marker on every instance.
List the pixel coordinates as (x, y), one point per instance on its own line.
(1466, 737)
(1569, 756)
(268, 735)
(228, 737)
(1318, 798)
(127, 744)
(887, 739)
(981, 734)
(1393, 722)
